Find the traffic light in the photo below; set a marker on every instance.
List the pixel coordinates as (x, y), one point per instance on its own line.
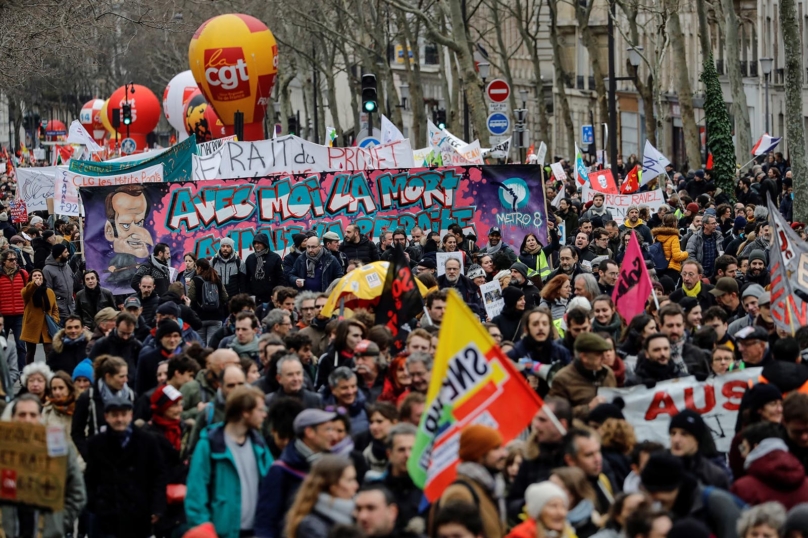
(440, 118)
(127, 114)
(291, 121)
(116, 118)
(369, 93)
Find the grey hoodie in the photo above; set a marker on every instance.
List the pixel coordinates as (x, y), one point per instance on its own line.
(59, 278)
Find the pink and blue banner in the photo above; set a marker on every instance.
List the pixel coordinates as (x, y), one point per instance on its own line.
(123, 223)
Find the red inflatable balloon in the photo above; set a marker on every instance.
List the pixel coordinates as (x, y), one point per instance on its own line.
(146, 111)
(57, 128)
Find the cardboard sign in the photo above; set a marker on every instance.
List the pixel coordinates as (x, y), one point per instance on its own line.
(27, 474)
(441, 257)
(19, 212)
(492, 297)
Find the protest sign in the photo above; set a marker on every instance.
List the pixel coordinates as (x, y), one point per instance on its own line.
(468, 154)
(473, 382)
(214, 146)
(27, 473)
(19, 213)
(193, 216)
(442, 257)
(36, 185)
(717, 401)
(558, 171)
(152, 174)
(293, 155)
(492, 298)
(618, 204)
(65, 195)
(176, 161)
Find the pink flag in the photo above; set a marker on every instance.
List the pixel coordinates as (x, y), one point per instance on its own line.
(634, 284)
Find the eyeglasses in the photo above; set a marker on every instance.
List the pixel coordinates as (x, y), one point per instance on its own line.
(11, 259)
(305, 308)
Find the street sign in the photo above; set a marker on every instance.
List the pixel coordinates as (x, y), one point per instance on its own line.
(128, 146)
(498, 90)
(498, 107)
(498, 123)
(497, 139)
(587, 134)
(369, 142)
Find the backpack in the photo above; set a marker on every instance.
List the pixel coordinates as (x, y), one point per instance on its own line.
(658, 256)
(209, 296)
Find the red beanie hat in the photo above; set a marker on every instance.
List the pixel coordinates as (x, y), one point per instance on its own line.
(476, 441)
(164, 397)
(693, 207)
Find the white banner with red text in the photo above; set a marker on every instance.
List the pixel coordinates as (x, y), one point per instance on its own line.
(618, 204)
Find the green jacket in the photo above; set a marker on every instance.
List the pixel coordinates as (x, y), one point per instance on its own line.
(193, 392)
(214, 489)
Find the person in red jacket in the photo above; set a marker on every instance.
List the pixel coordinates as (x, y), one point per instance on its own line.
(12, 280)
(772, 472)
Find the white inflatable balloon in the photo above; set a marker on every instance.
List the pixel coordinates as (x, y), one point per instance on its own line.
(175, 96)
(90, 118)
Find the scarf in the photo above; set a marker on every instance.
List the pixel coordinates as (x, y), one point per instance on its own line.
(65, 406)
(535, 251)
(249, 350)
(493, 484)
(599, 211)
(676, 356)
(344, 447)
(308, 454)
(28, 250)
(188, 274)
(260, 259)
(10, 272)
(108, 394)
(582, 513)
(613, 327)
(340, 511)
(40, 298)
(312, 262)
(493, 249)
(160, 266)
(70, 341)
(170, 428)
(694, 292)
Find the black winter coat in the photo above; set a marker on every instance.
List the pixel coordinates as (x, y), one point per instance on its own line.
(88, 305)
(533, 471)
(272, 276)
(88, 418)
(42, 250)
(125, 485)
(66, 356)
(160, 276)
(128, 350)
(364, 250)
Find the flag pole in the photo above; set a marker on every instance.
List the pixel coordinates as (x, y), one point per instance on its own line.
(554, 419)
(748, 162)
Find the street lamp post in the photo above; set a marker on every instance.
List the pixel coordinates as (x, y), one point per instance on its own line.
(766, 65)
(634, 59)
(485, 69)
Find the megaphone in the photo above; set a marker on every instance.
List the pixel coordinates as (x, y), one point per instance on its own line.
(543, 371)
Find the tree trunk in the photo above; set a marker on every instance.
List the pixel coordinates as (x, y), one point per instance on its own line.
(561, 87)
(704, 28)
(684, 90)
(470, 82)
(593, 48)
(505, 65)
(739, 107)
(418, 132)
(795, 129)
(646, 88)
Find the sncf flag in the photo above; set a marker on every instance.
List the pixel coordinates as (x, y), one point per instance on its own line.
(632, 182)
(603, 181)
(581, 173)
(473, 382)
(633, 286)
(765, 145)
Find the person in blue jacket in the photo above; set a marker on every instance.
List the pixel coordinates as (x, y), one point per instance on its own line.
(316, 268)
(228, 464)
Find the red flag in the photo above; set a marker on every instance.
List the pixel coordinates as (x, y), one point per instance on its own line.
(709, 161)
(603, 181)
(632, 182)
(633, 285)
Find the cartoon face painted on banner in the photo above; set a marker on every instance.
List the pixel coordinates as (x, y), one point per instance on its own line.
(194, 216)
(126, 209)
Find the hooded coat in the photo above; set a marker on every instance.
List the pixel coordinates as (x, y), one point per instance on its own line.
(261, 282)
(328, 267)
(158, 271)
(509, 320)
(66, 355)
(669, 237)
(773, 474)
(232, 271)
(364, 250)
(59, 277)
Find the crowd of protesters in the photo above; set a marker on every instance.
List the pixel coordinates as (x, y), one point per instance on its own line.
(222, 403)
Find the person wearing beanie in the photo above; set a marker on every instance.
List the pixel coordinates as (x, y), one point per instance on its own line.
(167, 342)
(763, 402)
(579, 382)
(479, 481)
(546, 505)
(750, 293)
(689, 528)
(633, 222)
(496, 245)
(772, 473)
(59, 277)
(228, 265)
(509, 320)
(83, 375)
(692, 442)
(796, 524)
(520, 281)
(604, 411)
(171, 435)
(678, 492)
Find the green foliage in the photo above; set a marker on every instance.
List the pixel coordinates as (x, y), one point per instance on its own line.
(719, 130)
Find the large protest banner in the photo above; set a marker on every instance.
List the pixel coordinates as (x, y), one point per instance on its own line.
(176, 161)
(618, 204)
(124, 222)
(33, 465)
(717, 400)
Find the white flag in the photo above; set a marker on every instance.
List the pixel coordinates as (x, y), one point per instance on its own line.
(653, 163)
(79, 135)
(390, 132)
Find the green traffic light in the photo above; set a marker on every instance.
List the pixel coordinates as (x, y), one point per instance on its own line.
(441, 126)
(370, 106)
